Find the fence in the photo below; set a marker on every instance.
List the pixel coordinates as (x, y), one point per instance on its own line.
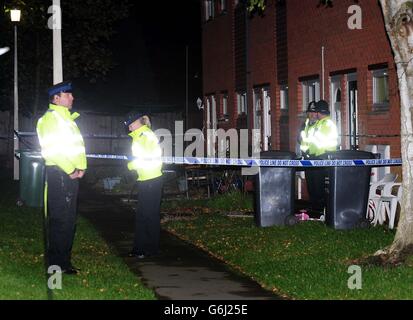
(104, 133)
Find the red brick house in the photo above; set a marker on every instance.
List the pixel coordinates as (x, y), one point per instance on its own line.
(261, 71)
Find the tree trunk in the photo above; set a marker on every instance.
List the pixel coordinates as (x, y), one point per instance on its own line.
(398, 18)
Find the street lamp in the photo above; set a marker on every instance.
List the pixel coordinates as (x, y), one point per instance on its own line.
(4, 50)
(15, 18)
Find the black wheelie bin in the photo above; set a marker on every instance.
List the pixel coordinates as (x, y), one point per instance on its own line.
(274, 191)
(347, 190)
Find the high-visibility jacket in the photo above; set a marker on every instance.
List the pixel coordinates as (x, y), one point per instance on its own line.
(319, 137)
(147, 154)
(60, 139)
(306, 137)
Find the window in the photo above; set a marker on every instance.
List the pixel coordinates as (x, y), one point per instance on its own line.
(257, 108)
(225, 105)
(214, 118)
(284, 98)
(222, 6)
(311, 92)
(211, 112)
(380, 88)
(242, 103)
(209, 9)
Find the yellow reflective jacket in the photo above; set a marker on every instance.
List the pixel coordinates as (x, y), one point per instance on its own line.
(319, 137)
(147, 154)
(60, 139)
(306, 136)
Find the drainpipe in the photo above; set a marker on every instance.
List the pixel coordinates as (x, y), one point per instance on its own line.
(322, 72)
(247, 76)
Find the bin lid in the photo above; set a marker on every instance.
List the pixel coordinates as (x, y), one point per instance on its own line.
(29, 153)
(347, 155)
(275, 154)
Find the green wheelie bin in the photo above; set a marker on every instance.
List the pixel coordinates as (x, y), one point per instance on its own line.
(32, 175)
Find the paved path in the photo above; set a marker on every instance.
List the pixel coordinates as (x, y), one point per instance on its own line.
(181, 271)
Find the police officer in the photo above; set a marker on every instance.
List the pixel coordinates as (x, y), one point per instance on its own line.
(318, 137)
(147, 162)
(307, 132)
(63, 150)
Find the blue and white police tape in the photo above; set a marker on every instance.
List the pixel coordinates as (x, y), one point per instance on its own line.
(263, 162)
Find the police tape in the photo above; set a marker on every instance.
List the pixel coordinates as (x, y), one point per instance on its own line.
(252, 162)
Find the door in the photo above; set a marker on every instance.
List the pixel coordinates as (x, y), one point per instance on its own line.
(262, 118)
(257, 133)
(352, 111)
(266, 120)
(336, 105)
(211, 123)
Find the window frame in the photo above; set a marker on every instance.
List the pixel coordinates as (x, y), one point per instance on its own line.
(376, 75)
(306, 86)
(223, 5)
(209, 10)
(242, 103)
(225, 105)
(284, 101)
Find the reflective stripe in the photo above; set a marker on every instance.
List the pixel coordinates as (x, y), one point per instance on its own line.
(63, 150)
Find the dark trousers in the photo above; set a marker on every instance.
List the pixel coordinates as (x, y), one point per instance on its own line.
(62, 207)
(315, 178)
(148, 217)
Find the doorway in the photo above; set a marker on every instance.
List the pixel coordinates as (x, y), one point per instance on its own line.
(353, 141)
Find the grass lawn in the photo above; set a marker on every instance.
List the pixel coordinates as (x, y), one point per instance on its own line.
(231, 201)
(306, 261)
(22, 274)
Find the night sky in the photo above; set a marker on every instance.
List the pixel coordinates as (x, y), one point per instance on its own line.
(149, 50)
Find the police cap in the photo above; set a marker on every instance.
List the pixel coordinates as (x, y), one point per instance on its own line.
(132, 117)
(65, 86)
(322, 107)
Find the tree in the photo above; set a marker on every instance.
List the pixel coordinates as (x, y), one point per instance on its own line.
(87, 27)
(398, 20)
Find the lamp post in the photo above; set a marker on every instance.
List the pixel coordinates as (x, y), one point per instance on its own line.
(57, 42)
(15, 18)
(186, 89)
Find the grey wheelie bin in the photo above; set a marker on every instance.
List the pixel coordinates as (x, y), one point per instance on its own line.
(347, 190)
(32, 172)
(274, 191)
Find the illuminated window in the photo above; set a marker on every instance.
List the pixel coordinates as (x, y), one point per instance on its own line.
(225, 105)
(284, 98)
(209, 9)
(380, 88)
(311, 92)
(242, 103)
(222, 6)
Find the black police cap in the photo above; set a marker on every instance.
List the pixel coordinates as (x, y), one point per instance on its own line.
(132, 117)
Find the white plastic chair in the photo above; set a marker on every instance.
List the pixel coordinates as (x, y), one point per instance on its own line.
(392, 195)
(375, 193)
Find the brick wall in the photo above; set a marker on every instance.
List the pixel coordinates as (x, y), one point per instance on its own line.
(284, 45)
(345, 49)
